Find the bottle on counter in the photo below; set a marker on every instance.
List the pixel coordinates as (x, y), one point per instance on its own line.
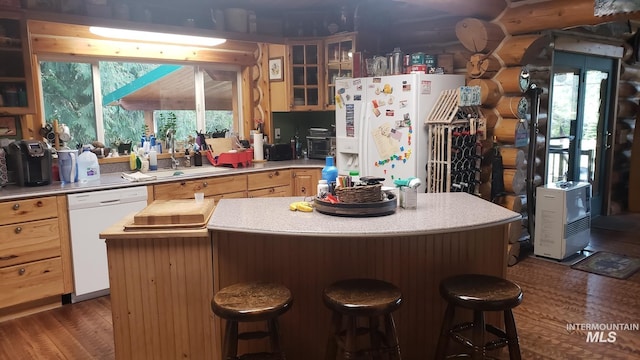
(323, 189)
(329, 171)
(88, 166)
(187, 158)
(355, 177)
(197, 158)
(153, 159)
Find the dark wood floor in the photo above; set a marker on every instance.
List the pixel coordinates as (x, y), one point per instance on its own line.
(555, 295)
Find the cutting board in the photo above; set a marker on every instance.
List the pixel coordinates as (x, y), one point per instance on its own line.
(220, 145)
(179, 213)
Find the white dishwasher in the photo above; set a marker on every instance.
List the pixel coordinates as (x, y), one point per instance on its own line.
(89, 214)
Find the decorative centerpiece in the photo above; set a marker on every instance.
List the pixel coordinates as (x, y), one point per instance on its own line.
(359, 200)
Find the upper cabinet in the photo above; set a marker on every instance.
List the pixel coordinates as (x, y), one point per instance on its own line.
(339, 50)
(305, 75)
(311, 68)
(16, 97)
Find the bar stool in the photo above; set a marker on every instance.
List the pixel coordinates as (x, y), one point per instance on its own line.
(479, 293)
(250, 302)
(364, 298)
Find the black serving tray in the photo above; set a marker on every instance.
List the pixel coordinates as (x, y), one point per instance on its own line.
(370, 209)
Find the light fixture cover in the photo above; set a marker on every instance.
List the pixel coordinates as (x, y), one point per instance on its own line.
(155, 36)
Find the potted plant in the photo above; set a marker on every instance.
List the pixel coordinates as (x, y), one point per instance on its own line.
(167, 121)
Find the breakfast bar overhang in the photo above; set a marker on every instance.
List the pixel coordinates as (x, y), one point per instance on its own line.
(260, 239)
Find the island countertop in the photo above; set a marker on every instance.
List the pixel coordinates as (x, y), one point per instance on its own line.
(435, 213)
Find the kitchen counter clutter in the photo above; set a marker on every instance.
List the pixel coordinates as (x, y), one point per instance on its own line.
(114, 180)
(448, 234)
(436, 213)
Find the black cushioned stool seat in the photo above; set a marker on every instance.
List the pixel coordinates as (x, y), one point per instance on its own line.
(369, 299)
(479, 293)
(250, 302)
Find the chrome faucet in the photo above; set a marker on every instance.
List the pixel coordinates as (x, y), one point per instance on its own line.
(171, 144)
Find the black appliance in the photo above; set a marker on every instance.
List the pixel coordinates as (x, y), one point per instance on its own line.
(31, 162)
(278, 152)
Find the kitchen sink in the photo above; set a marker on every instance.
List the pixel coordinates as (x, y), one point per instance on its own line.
(180, 172)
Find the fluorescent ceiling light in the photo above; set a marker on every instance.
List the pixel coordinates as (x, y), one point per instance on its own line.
(156, 37)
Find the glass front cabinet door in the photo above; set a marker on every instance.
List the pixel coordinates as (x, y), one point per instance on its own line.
(339, 51)
(15, 70)
(305, 79)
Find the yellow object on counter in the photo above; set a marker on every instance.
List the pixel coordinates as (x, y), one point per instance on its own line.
(132, 161)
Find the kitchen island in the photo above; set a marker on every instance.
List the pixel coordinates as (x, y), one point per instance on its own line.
(448, 233)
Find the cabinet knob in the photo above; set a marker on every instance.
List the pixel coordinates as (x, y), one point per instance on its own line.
(205, 184)
(183, 183)
(272, 190)
(16, 206)
(22, 271)
(303, 190)
(39, 203)
(18, 230)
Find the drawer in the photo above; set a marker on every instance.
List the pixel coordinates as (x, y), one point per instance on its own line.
(25, 242)
(268, 179)
(209, 186)
(275, 191)
(27, 210)
(31, 281)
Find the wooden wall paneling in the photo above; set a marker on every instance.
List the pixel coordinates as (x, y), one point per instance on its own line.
(306, 267)
(514, 181)
(628, 89)
(522, 49)
(513, 80)
(65, 244)
(479, 36)
(627, 108)
(490, 91)
(553, 14)
(491, 116)
(481, 66)
(513, 107)
(160, 297)
(505, 130)
(513, 157)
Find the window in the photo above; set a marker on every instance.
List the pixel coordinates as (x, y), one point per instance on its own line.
(109, 101)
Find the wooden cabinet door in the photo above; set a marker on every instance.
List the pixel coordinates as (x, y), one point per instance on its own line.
(211, 187)
(305, 76)
(267, 179)
(338, 55)
(305, 182)
(275, 191)
(15, 67)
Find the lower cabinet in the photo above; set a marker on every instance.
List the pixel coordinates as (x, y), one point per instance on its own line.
(219, 187)
(305, 181)
(35, 258)
(269, 183)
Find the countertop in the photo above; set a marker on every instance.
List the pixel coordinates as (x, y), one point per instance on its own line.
(436, 213)
(114, 180)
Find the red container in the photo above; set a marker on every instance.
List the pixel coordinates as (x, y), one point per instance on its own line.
(420, 68)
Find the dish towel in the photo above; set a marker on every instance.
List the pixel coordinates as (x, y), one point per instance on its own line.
(137, 176)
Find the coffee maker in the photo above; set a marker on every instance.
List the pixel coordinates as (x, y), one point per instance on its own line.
(31, 162)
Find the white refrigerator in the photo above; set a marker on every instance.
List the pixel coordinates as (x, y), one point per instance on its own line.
(380, 124)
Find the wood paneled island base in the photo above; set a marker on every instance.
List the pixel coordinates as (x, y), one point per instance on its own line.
(308, 251)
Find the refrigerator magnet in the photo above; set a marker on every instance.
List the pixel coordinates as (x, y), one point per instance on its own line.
(389, 112)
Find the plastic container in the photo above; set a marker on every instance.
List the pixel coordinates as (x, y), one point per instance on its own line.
(153, 159)
(323, 189)
(355, 177)
(329, 171)
(88, 166)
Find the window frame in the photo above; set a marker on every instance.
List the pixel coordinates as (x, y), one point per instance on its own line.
(198, 67)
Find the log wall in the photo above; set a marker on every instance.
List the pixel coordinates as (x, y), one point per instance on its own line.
(500, 65)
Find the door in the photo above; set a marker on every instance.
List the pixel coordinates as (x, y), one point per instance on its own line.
(578, 130)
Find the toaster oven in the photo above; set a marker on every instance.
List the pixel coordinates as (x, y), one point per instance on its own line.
(319, 147)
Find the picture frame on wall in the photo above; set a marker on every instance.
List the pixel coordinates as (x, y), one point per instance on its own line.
(276, 71)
